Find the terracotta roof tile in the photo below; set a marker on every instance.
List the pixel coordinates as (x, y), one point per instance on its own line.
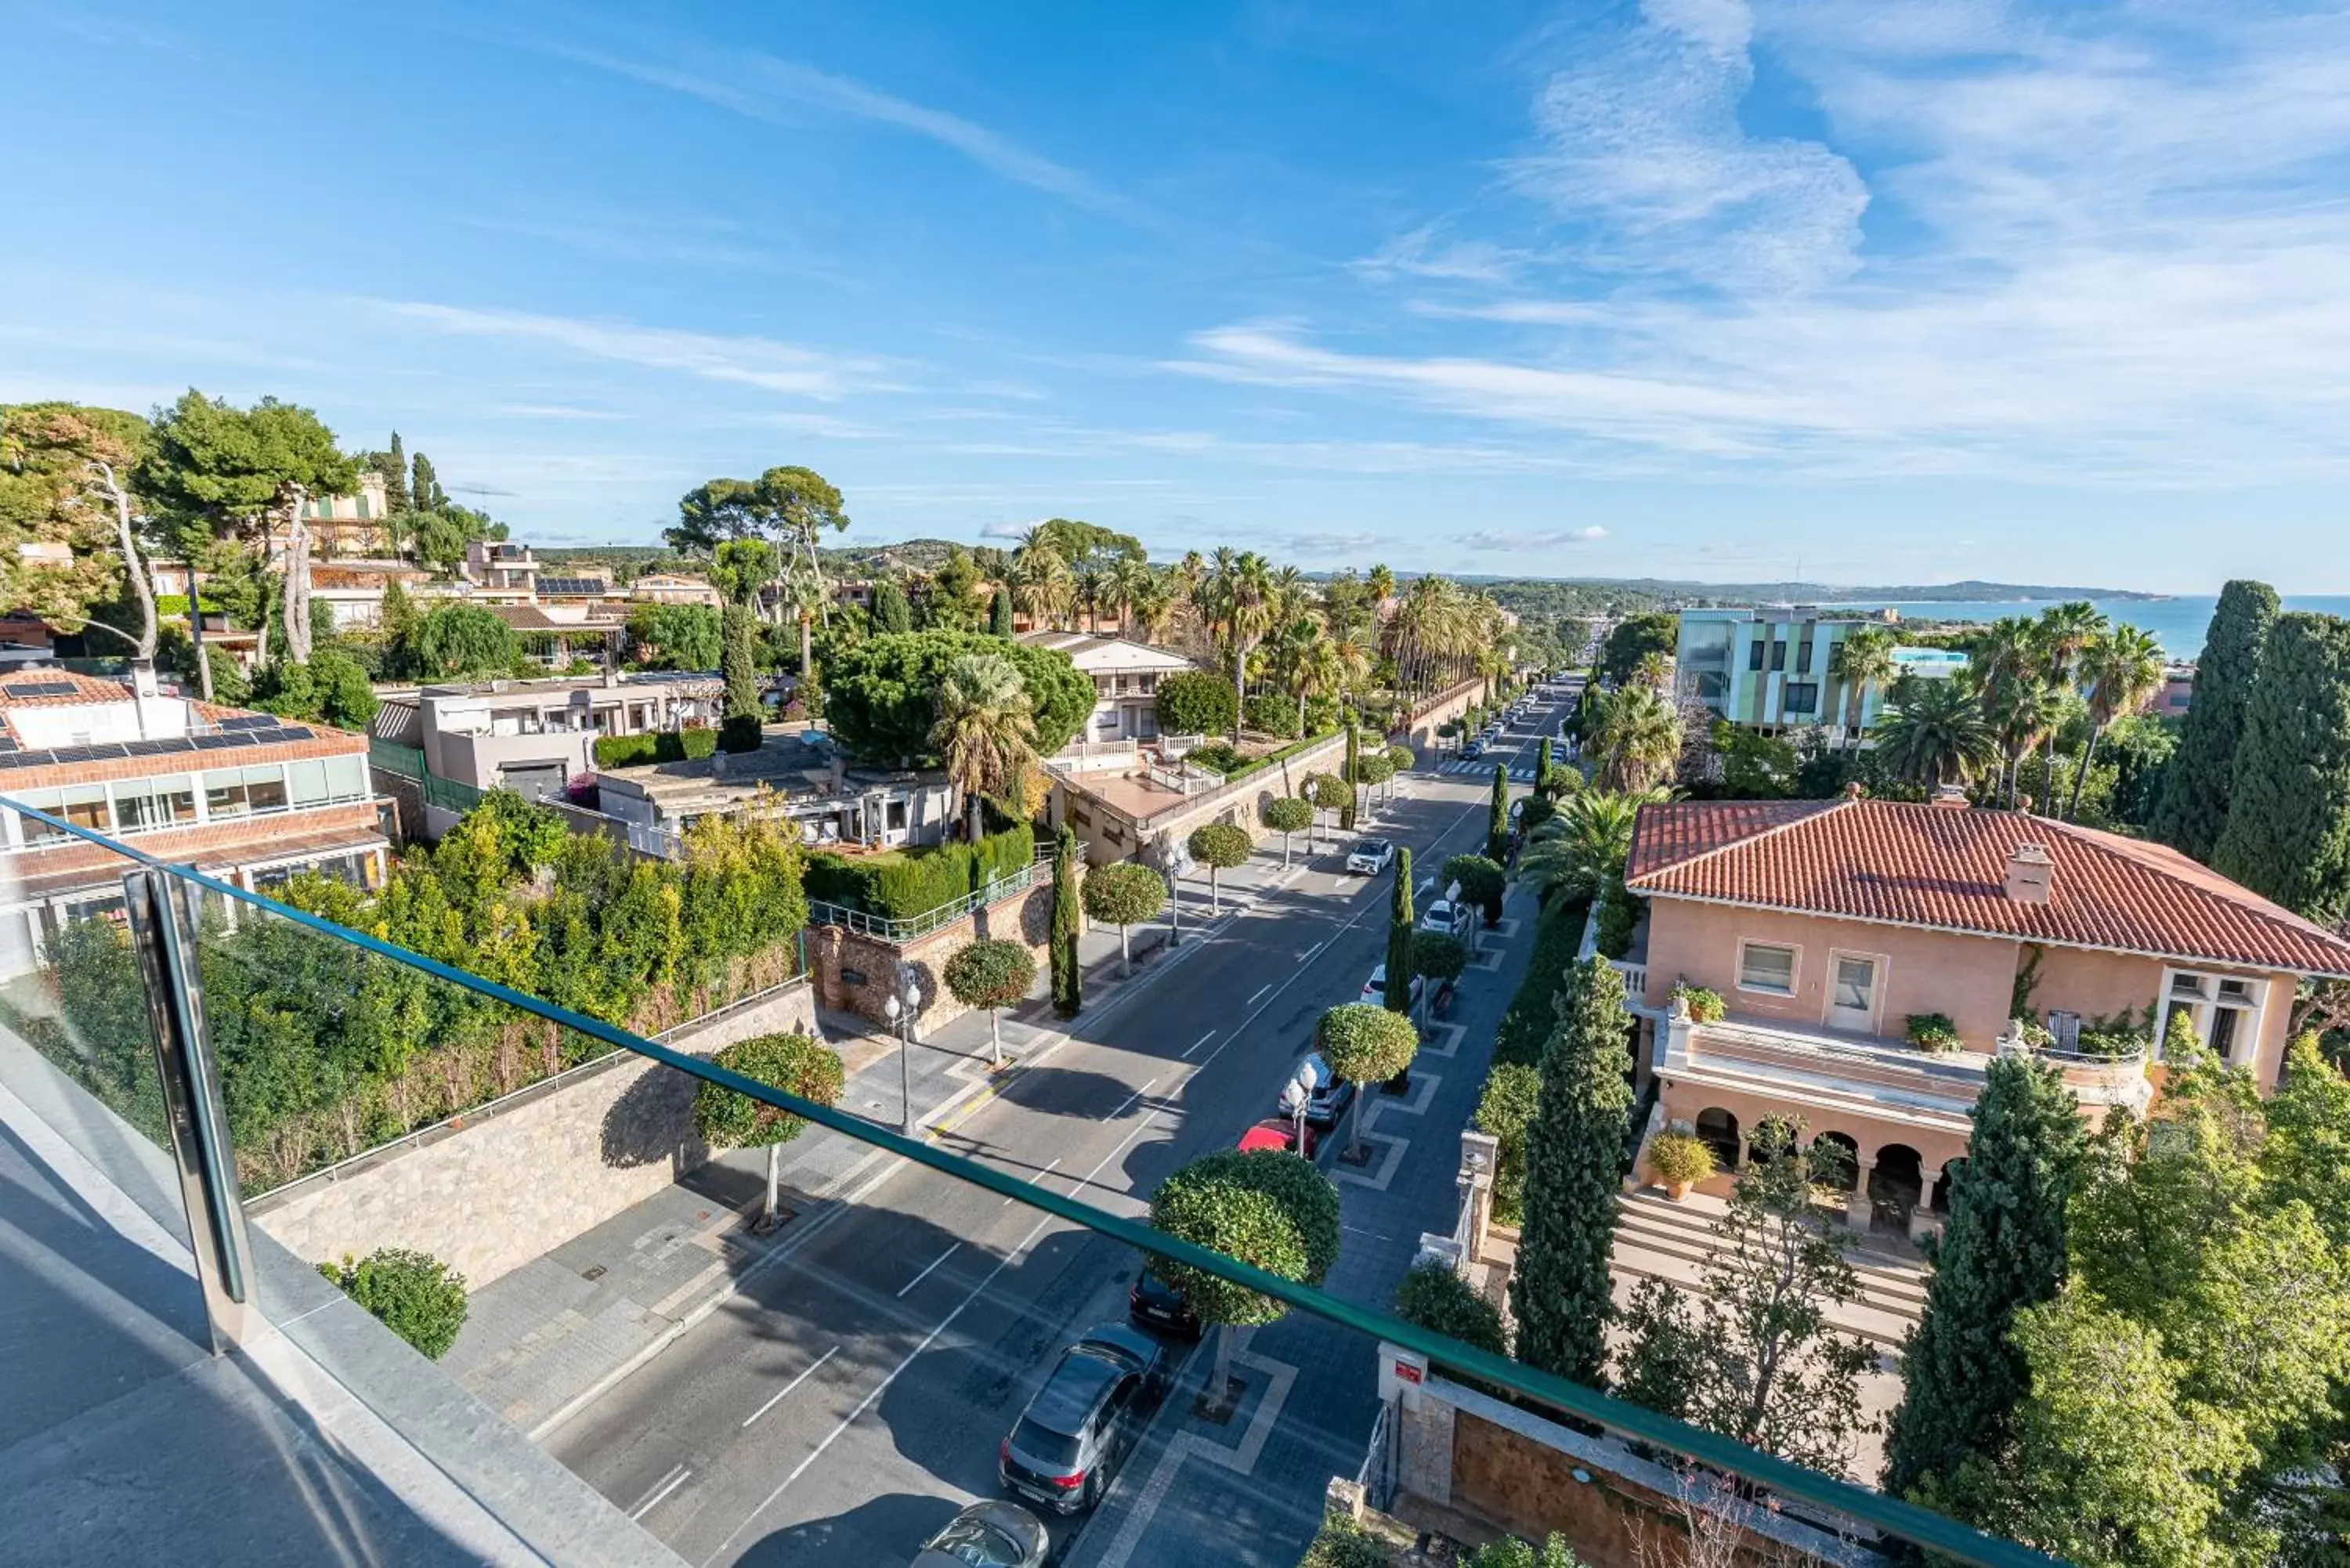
(1945, 867)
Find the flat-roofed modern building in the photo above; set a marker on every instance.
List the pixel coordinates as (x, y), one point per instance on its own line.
(1773, 669)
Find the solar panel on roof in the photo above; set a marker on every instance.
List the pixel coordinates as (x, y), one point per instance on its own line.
(72, 755)
(219, 743)
(40, 689)
(158, 748)
(251, 721)
(7, 746)
(106, 750)
(295, 732)
(14, 759)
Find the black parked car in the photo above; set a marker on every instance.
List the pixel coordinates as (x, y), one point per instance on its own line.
(990, 1534)
(1156, 1305)
(1086, 1418)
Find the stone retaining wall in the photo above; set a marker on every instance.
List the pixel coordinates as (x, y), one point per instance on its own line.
(490, 1190)
(858, 974)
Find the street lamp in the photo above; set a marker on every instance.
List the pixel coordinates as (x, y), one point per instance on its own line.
(901, 1014)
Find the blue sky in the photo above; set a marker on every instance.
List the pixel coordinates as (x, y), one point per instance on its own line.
(1689, 287)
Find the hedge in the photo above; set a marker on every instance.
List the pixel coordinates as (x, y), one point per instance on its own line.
(1531, 1015)
(904, 884)
(740, 733)
(667, 746)
(1194, 702)
(415, 1295)
(1271, 713)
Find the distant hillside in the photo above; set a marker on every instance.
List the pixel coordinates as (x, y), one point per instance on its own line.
(626, 563)
(1695, 593)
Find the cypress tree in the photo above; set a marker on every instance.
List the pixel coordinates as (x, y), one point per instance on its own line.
(395, 477)
(1497, 825)
(1397, 995)
(1575, 1166)
(2288, 832)
(1354, 777)
(1067, 984)
(1541, 769)
(999, 619)
(2002, 1250)
(2194, 810)
(424, 491)
(892, 610)
(739, 660)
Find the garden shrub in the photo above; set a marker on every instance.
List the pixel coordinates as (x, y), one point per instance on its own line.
(696, 741)
(1679, 1156)
(1932, 1031)
(1705, 1003)
(1436, 1298)
(627, 751)
(905, 883)
(1271, 713)
(1215, 757)
(1195, 702)
(415, 1295)
(740, 733)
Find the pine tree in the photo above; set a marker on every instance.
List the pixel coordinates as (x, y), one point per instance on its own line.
(2001, 1252)
(1397, 995)
(1497, 823)
(1067, 983)
(2194, 808)
(1575, 1166)
(892, 611)
(999, 620)
(2288, 832)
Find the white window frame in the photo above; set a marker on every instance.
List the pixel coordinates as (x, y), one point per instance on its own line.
(1877, 984)
(1794, 967)
(2262, 988)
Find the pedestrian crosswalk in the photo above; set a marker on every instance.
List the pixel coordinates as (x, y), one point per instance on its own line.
(1520, 772)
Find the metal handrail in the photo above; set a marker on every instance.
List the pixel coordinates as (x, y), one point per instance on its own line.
(905, 929)
(1921, 1526)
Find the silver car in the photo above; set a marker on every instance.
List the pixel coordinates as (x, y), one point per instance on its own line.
(990, 1534)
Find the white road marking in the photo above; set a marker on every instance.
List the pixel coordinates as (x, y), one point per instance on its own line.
(1260, 992)
(925, 1274)
(1129, 1101)
(1195, 1044)
(787, 1387)
(1309, 952)
(1038, 1177)
(670, 1483)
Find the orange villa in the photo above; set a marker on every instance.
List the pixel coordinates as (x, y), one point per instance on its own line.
(1826, 926)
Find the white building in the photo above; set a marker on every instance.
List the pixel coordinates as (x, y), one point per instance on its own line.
(1125, 677)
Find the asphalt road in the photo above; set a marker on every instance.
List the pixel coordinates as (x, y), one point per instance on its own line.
(852, 1398)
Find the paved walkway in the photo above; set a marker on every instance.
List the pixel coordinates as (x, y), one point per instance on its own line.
(543, 1340)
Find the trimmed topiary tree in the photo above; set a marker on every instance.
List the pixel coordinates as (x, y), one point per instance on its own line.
(1560, 1293)
(1401, 759)
(1285, 814)
(2288, 832)
(1329, 794)
(1373, 768)
(1482, 883)
(1220, 846)
(1366, 1045)
(1068, 981)
(1397, 995)
(1266, 1207)
(1194, 702)
(1437, 958)
(727, 1119)
(1124, 893)
(2001, 1251)
(994, 974)
(2201, 781)
(415, 1295)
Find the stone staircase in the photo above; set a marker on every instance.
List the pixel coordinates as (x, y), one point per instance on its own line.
(1659, 1239)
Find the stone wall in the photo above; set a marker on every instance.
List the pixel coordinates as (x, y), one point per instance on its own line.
(855, 973)
(1450, 704)
(490, 1190)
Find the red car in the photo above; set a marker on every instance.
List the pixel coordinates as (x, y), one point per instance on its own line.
(1280, 1132)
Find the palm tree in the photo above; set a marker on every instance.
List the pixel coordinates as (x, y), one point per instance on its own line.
(1154, 605)
(1636, 735)
(986, 731)
(1653, 672)
(1939, 735)
(1320, 670)
(2066, 630)
(1039, 582)
(1584, 847)
(2022, 708)
(803, 597)
(1130, 580)
(1864, 658)
(1088, 585)
(1239, 589)
(2123, 669)
(1381, 582)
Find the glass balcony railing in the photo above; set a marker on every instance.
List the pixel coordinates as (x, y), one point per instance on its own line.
(960, 1302)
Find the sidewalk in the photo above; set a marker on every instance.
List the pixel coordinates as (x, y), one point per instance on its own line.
(544, 1340)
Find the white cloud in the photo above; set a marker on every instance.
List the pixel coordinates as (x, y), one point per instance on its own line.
(1423, 255)
(2112, 253)
(1332, 543)
(1499, 539)
(760, 86)
(1004, 530)
(750, 361)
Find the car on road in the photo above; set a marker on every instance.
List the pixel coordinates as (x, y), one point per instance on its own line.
(1471, 750)
(1446, 918)
(1280, 1132)
(1155, 1304)
(988, 1534)
(1323, 1095)
(1086, 1420)
(1375, 990)
(1370, 857)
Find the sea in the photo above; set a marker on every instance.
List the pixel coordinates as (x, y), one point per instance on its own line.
(2178, 624)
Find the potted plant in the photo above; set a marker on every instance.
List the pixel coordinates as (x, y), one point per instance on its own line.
(1680, 1160)
(1705, 1004)
(1933, 1031)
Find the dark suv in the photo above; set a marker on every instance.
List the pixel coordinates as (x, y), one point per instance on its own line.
(1086, 1418)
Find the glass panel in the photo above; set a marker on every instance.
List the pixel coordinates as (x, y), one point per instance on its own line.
(346, 777)
(1856, 984)
(1767, 968)
(224, 794)
(264, 786)
(305, 782)
(34, 830)
(2224, 1022)
(2186, 985)
(85, 806)
(143, 804)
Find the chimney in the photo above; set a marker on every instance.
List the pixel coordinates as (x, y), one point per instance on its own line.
(142, 678)
(1951, 795)
(2030, 873)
